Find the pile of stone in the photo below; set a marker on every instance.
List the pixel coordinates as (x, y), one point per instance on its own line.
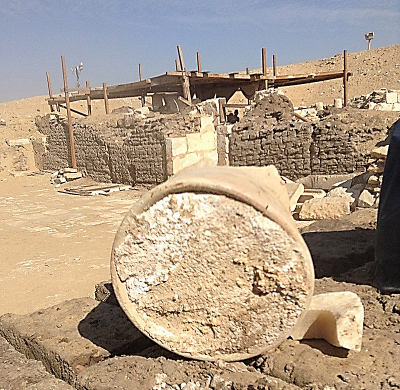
(63, 175)
(383, 100)
(341, 197)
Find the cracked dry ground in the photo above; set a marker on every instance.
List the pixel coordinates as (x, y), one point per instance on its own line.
(56, 247)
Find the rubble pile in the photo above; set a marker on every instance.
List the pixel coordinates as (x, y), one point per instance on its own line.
(63, 175)
(343, 197)
(382, 100)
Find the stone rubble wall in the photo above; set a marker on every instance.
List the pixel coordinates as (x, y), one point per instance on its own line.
(381, 100)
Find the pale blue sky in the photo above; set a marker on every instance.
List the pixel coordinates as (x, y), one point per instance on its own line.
(111, 37)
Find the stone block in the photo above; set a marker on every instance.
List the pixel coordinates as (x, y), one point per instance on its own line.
(366, 199)
(142, 110)
(181, 162)
(336, 317)
(319, 106)
(373, 180)
(206, 124)
(69, 176)
(391, 97)
(338, 103)
(18, 142)
(194, 142)
(396, 106)
(18, 372)
(380, 152)
(208, 140)
(211, 157)
(72, 335)
(324, 208)
(294, 190)
(178, 146)
(311, 193)
(341, 193)
(383, 107)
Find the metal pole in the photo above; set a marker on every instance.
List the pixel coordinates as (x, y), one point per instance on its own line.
(70, 129)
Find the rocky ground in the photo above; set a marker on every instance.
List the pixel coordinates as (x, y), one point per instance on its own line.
(55, 248)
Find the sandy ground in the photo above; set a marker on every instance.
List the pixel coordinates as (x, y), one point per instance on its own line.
(54, 246)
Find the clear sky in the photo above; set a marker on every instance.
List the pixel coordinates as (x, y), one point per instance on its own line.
(111, 37)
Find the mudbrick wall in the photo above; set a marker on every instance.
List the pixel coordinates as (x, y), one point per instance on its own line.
(338, 143)
(129, 149)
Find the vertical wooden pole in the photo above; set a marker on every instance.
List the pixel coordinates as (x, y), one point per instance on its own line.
(177, 68)
(274, 64)
(198, 62)
(50, 91)
(247, 70)
(140, 72)
(70, 129)
(185, 78)
(264, 61)
(221, 103)
(106, 105)
(181, 59)
(142, 98)
(345, 86)
(89, 100)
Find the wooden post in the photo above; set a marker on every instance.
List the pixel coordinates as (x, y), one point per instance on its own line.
(185, 78)
(88, 100)
(106, 105)
(264, 61)
(70, 129)
(274, 64)
(247, 70)
(181, 59)
(198, 62)
(345, 86)
(177, 68)
(50, 91)
(140, 72)
(221, 103)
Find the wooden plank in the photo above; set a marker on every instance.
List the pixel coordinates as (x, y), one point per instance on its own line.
(73, 110)
(70, 129)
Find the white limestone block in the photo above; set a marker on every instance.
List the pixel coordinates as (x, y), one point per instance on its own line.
(336, 317)
(380, 152)
(324, 208)
(366, 199)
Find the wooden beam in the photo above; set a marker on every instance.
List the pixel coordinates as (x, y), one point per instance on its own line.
(345, 76)
(140, 72)
(88, 100)
(50, 91)
(105, 96)
(73, 110)
(198, 62)
(177, 67)
(274, 65)
(185, 78)
(70, 129)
